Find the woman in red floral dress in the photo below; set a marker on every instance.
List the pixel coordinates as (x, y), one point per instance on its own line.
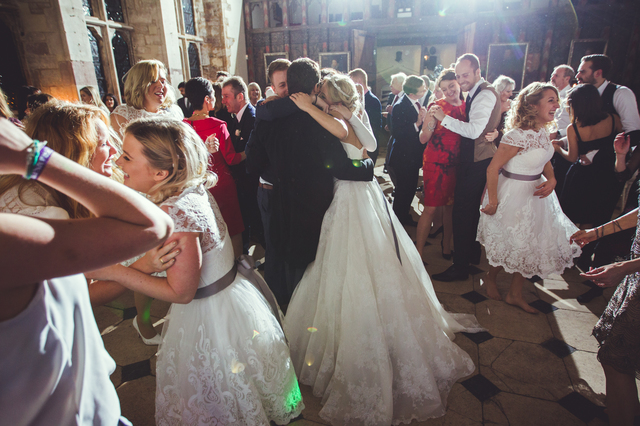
(440, 160)
(199, 92)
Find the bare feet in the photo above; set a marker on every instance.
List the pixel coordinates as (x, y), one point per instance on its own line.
(492, 288)
(519, 302)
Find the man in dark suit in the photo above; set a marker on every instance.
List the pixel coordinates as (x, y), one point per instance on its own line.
(406, 158)
(183, 103)
(304, 158)
(234, 97)
(373, 107)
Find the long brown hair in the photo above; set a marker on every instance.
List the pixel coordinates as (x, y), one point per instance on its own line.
(70, 130)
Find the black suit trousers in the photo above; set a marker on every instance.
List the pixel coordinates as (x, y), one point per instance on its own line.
(471, 179)
(406, 182)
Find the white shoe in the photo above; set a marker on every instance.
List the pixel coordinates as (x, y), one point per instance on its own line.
(154, 341)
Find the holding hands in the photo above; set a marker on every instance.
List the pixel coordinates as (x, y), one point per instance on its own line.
(584, 237)
(421, 116)
(437, 112)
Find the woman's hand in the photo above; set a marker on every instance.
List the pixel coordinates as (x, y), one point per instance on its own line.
(491, 136)
(302, 101)
(342, 110)
(607, 276)
(490, 209)
(157, 259)
(621, 144)
(583, 237)
(558, 145)
(545, 189)
(212, 143)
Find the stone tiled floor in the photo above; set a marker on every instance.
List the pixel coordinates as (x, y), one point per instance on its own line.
(530, 369)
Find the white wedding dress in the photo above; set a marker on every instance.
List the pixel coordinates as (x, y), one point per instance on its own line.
(223, 359)
(527, 234)
(366, 332)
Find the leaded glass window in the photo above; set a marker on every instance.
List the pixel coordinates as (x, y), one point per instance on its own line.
(86, 6)
(114, 10)
(121, 56)
(189, 23)
(194, 60)
(97, 63)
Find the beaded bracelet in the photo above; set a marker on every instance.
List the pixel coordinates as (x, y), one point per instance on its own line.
(37, 157)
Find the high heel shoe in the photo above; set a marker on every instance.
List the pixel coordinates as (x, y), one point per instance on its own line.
(436, 232)
(154, 341)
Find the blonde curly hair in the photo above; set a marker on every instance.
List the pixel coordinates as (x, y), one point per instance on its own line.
(172, 145)
(341, 89)
(523, 112)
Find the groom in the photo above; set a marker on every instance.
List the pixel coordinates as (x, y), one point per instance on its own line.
(304, 158)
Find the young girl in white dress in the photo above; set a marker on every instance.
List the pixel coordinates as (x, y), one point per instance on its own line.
(366, 330)
(523, 228)
(223, 359)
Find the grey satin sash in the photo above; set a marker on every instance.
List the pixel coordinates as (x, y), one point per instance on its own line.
(517, 176)
(393, 229)
(245, 265)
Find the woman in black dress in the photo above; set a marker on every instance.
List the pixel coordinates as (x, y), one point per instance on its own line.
(592, 175)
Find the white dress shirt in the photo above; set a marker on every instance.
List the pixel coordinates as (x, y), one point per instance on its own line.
(239, 114)
(479, 114)
(562, 116)
(624, 101)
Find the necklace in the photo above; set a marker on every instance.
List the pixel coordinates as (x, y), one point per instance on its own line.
(201, 114)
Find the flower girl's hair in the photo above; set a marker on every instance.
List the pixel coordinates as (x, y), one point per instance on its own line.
(171, 145)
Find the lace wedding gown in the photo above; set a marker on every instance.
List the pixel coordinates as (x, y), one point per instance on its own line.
(365, 331)
(223, 359)
(527, 234)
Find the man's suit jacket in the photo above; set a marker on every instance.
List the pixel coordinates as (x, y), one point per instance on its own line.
(374, 110)
(305, 158)
(240, 133)
(407, 149)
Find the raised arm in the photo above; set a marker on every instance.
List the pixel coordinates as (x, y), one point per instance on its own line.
(334, 125)
(126, 224)
(479, 116)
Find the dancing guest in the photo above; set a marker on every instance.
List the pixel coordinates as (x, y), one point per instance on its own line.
(146, 93)
(371, 297)
(617, 330)
(89, 95)
(77, 132)
(55, 369)
(406, 159)
(199, 92)
(34, 101)
(223, 358)
(522, 227)
(504, 86)
(254, 93)
(440, 160)
(110, 101)
(561, 79)
(482, 110)
(591, 190)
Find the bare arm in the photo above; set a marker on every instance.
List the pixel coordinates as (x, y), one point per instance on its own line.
(585, 236)
(571, 154)
(502, 156)
(125, 225)
(336, 127)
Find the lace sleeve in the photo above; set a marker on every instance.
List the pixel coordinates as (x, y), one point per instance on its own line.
(122, 111)
(514, 138)
(182, 221)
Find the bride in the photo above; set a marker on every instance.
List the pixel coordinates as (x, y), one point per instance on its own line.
(365, 328)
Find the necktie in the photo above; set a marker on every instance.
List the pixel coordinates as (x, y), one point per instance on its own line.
(418, 105)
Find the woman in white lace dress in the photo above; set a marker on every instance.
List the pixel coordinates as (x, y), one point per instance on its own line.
(223, 359)
(366, 330)
(523, 229)
(147, 94)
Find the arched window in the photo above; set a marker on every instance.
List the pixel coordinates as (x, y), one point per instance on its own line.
(295, 12)
(194, 60)
(257, 16)
(121, 57)
(275, 14)
(114, 10)
(97, 63)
